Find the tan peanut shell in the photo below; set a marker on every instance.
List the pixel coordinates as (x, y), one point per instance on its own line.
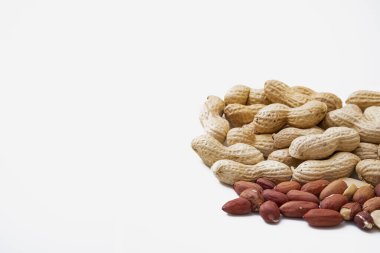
(351, 116)
(239, 115)
(372, 113)
(229, 172)
(238, 94)
(319, 146)
(283, 156)
(341, 164)
(369, 171)
(257, 96)
(279, 92)
(364, 98)
(210, 150)
(244, 95)
(273, 117)
(245, 134)
(211, 118)
(284, 138)
(367, 151)
(303, 90)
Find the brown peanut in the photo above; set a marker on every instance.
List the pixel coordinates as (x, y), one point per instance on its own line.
(315, 187)
(287, 186)
(240, 186)
(363, 194)
(335, 187)
(296, 209)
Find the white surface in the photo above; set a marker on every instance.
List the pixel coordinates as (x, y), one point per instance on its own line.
(99, 101)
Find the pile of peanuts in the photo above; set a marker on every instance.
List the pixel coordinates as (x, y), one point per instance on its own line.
(275, 144)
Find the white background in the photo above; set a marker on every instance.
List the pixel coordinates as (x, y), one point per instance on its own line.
(99, 102)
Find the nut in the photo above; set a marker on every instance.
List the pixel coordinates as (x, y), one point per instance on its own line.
(241, 94)
(240, 186)
(237, 206)
(364, 98)
(367, 151)
(349, 210)
(350, 191)
(229, 172)
(363, 194)
(211, 118)
(369, 170)
(302, 196)
(273, 117)
(278, 197)
(284, 187)
(351, 116)
(284, 138)
(283, 156)
(341, 164)
(279, 92)
(335, 187)
(238, 94)
(265, 183)
(377, 190)
(270, 212)
(376, 217)
(319, 146)
(245, 134)
(315, 187)
(239, 115)
(364, 220)
(323, 218)
(211, 150)
(372, 204)
(254, 196)
(296, 209)
(333, 202)
(350, 181)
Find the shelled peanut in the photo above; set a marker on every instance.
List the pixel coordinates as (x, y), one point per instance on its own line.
(320, 203)
(291, 151)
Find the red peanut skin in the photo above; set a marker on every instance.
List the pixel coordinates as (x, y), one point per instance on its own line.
(315, 187)
(265, 183)
(270, 212)
(377, 190)
(323, 218)
(278, 197)
(334, 202)
(284, 187)
(240, 186)
(296, 209)
(238, 206)
(303, 196)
